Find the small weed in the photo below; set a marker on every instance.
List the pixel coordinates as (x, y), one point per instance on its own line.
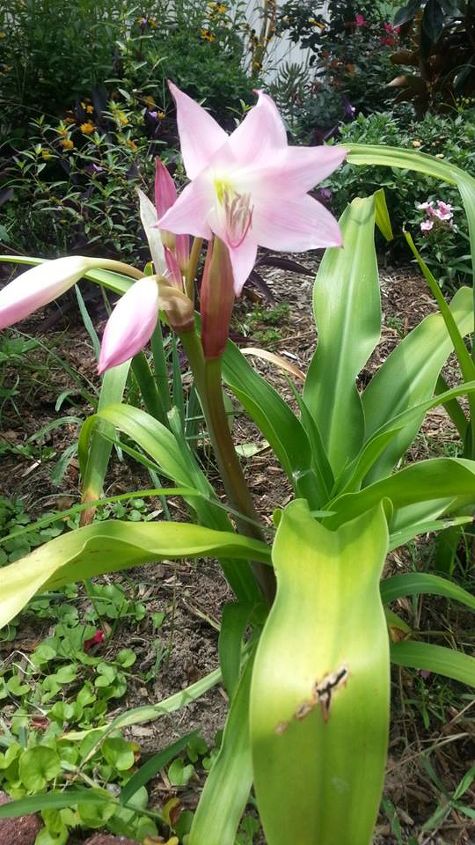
(397, 324)
(264, 324)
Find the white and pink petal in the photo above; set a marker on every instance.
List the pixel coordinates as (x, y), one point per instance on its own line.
(131, 324)
(40, 285)
(200, 135)
(295, 225)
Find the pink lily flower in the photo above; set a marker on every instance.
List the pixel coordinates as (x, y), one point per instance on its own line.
(131, 324)
(250, 188)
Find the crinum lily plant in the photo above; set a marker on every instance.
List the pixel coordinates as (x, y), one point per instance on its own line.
(306, 644)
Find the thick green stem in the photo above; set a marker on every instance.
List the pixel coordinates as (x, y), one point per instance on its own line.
(207, 375)
(119, 267)
(192, 267)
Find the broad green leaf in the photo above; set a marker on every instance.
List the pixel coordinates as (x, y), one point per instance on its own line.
(37, 766)
(378, 154)
(229, 782)
(111, 546)
(275, 419)
(320, 688)
(60, 516)
(445, 483)
(418, 583)
(175, 460)
(435, 658)
(408, 377)
(347, 309)
(351, 479)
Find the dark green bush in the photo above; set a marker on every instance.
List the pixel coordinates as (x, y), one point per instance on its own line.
(86, 104)
(350, 46)
(450, 138)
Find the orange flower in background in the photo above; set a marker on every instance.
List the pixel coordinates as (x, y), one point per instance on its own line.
(67, 144)
(87, 128)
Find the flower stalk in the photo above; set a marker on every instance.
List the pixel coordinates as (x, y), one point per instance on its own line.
(207, 376)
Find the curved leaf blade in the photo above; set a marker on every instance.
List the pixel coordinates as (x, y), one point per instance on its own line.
(229, 782)
(408, 377)
(448, 481)
(435, 658)
(109, 547)
(347, 309)
(325, 631)
(419, 583)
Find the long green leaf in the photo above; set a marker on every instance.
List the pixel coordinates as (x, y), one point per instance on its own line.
(378, 442)
(175, 460)
(109, 547)
(320, 688)
(235, 618)
(228, 784)
(450, 481)
(347, 309)
(435, 658)
(408, 377)
(116, 282)
(405, 533)
(54, 800)
(147, 712)
(418, 583)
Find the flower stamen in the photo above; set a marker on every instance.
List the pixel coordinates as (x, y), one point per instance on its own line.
(238, 212)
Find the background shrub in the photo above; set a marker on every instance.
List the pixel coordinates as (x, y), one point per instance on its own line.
(449, 138)
(87, 107)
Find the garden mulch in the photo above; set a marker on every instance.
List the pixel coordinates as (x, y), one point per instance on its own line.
(192, 595)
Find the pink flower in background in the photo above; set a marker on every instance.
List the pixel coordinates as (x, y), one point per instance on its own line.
(427, 225)
(443, 210)
(360, 20)
(250, 187)
(392, 35)
(439, 215)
